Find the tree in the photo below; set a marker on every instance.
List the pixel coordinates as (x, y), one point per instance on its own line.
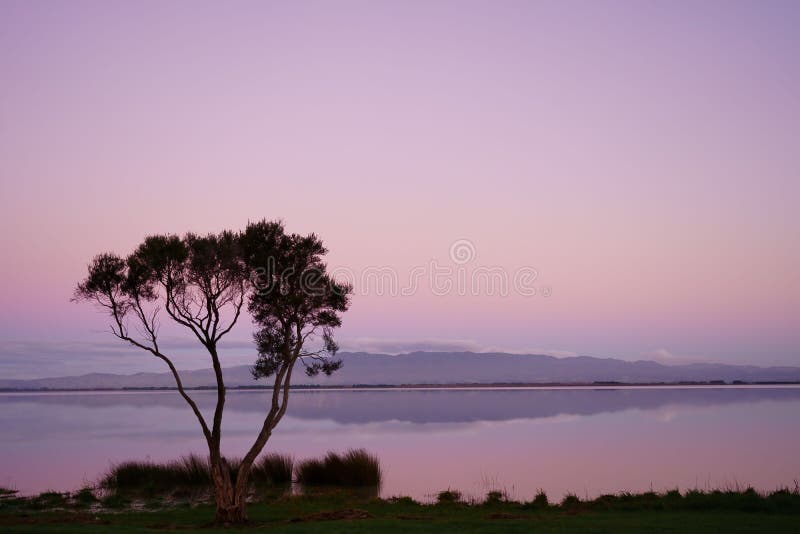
(203, 283)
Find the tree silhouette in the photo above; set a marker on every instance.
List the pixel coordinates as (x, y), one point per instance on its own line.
(202, 283)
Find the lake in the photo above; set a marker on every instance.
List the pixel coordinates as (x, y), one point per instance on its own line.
(587, 441)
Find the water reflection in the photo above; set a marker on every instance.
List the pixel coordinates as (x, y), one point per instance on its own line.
(429, 405)
(582, 440)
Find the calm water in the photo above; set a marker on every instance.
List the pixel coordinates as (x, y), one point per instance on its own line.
(587, 441)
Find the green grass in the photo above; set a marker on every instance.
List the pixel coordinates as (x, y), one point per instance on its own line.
(356, 467)
(116, 501)
(342, 511)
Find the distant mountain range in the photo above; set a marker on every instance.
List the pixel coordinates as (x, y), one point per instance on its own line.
(443, 368)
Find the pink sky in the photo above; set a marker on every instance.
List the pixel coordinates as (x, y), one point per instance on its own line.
(643, 157)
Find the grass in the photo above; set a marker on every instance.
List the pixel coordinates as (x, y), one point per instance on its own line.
(273, 470)
(448, 496)
(343, 511)
(495, 497)
(85, 497)
(49, 500)
(187, 471)
(192, 471)
(540, 501)
(115, 501)
(356, 467)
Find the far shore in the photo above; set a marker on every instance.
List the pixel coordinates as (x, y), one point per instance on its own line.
(712, 384)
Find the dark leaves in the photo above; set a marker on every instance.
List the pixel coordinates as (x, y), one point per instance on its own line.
(265, 366)
(105, 277)
(161, 255)
(327, 367)
(295, 301)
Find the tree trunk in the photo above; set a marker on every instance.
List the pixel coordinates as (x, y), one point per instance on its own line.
(235, 514)
(231, 503)
(232, 499)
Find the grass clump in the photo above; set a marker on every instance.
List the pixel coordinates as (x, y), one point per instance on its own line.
(84, 497)
(404, 500)
(570, 501)
(134, 475)
(629, 501)
(448, 496)
(273, 470)
(311, 472)
(495, 497)
(353, 468)
(191, 471)
(539, 502)
(356, 467)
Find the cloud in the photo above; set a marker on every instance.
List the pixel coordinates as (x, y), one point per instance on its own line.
(37, 359)
(668, 358)
(399, 346)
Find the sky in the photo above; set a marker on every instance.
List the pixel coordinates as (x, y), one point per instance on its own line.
(630, 169)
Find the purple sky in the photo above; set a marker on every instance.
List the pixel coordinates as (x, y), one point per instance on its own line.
(643, 157)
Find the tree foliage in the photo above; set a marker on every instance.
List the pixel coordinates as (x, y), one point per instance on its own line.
(296, 299)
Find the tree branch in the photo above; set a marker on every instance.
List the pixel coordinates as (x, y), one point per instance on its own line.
(121, 333)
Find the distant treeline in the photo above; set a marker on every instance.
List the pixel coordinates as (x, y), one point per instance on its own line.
(472, 385)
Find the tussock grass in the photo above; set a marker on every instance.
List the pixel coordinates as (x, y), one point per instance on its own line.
(356, 467)
(404, 500)
(192, 472)
(495, 497)
(539, 501)
(273, 470)
(187, 471)
(570, 501)
(84, 497)
(448, 496)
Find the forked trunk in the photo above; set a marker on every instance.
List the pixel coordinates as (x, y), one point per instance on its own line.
(230, 501)
(231, 498)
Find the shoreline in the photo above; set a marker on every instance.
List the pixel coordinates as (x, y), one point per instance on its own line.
(740, 510)
(714, 384)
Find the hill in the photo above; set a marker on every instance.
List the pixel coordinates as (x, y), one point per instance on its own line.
(444, 368)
